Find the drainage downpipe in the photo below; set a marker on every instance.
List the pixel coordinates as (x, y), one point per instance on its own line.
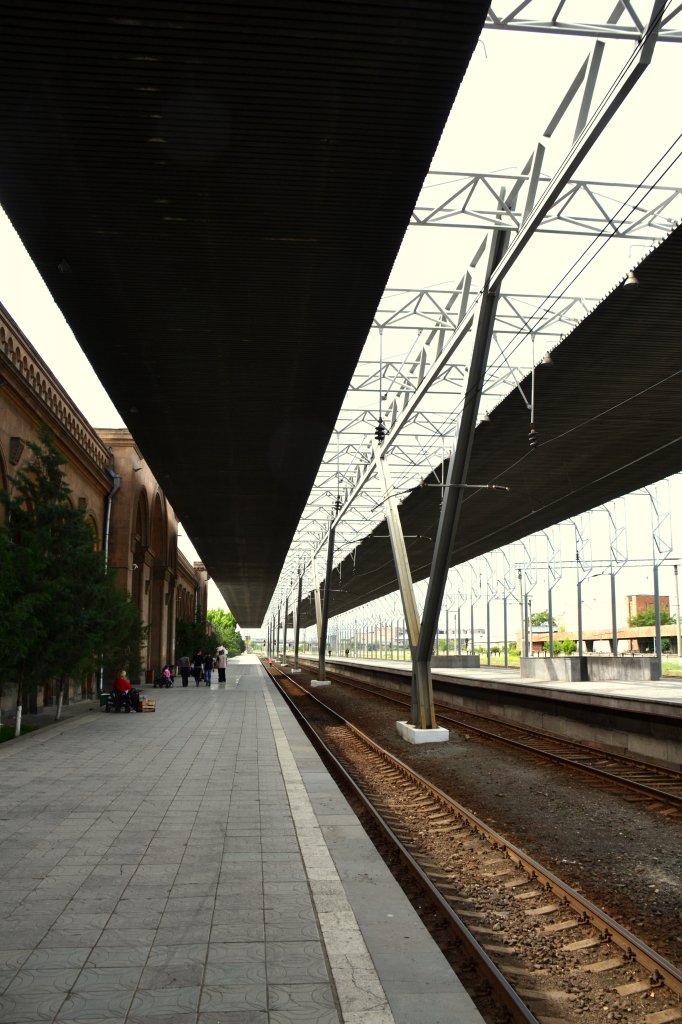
(107, 528)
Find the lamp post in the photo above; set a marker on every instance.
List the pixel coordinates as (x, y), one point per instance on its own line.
(661, 548)
(522, 632)
(583, 566)
(677, 612)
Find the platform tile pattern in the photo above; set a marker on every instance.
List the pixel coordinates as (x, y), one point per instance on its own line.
(172, 869)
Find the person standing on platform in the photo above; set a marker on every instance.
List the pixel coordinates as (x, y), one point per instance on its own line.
(208, 668)
(184, 666)
(222, 664)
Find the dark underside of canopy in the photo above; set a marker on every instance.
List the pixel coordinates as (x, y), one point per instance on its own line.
(609, 417)
(214, 193)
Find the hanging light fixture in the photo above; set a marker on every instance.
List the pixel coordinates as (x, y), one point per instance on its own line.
(380, 429)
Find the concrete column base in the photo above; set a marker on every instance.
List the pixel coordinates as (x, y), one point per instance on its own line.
(414, 735)
(320, 682)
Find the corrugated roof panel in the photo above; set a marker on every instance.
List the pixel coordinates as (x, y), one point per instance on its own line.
(228, 184)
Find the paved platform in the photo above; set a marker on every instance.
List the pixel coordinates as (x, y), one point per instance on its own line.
(198, 865)
(667, 689)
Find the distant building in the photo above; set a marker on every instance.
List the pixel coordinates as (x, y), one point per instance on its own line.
(638, 603)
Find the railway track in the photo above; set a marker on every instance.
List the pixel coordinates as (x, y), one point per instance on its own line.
(655, 785)
(550, 955)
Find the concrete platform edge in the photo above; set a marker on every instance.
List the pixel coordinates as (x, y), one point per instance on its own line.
(411, 970)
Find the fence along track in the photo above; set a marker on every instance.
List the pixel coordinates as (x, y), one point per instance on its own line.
(650, 782)
(554, 947)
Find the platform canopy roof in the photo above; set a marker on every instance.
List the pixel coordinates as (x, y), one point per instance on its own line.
(607, 415)
(214, 193)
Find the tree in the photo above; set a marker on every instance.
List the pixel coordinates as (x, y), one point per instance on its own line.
(541, 619)
(191, 636)
(648, 618)
(225, 631)
(63, 612)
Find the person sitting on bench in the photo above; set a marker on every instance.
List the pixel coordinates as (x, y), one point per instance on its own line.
(122, 686)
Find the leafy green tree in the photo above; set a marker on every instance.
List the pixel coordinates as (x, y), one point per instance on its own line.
(225, 631)
(63, 611)
(648, 618)
(541, 619)
(191, 636)
(124, 634)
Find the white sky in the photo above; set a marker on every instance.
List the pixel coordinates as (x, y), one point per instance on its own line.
(513, 86)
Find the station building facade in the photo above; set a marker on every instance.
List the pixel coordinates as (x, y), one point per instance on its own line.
(130, 517)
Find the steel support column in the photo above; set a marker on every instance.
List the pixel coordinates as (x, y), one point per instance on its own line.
(526, 627)
(322, 653)
(457, 471)
(677, 612)
(657, 619)
(614, 621)
(286, 622)
(318, 604)
(422, 714)
(279, 626)
(298, 619)
(487, 629)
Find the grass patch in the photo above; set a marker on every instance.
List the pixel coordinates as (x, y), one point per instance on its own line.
(7, 731)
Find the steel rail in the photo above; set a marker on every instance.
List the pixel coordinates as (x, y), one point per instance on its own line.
(446, 714)
(605, 925)
(506, 993)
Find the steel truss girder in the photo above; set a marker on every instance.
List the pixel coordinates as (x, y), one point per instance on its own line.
(430, 309)
(670, 30)
(629, 211)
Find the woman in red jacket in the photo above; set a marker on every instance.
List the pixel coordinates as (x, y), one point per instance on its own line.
(123, 685)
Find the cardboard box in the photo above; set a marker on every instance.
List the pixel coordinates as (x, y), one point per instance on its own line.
(147, 705)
